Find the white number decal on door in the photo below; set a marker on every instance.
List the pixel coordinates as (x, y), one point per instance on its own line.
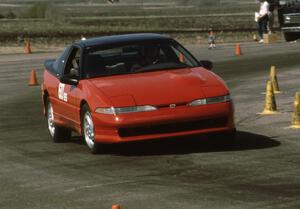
(61, 92)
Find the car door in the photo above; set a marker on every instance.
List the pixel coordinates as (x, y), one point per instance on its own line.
(56, 69)
(68, 107)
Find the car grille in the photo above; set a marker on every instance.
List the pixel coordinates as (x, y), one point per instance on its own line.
(294, 19)
(174, 127)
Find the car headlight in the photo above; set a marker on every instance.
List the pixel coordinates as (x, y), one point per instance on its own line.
(120, 110)
(287, 19)
(211, 100)
(282, 2)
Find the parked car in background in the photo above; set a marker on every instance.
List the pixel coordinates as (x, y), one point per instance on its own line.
(289, 19)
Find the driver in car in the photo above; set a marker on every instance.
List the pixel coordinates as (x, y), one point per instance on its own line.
(74, 71)
(150, 56)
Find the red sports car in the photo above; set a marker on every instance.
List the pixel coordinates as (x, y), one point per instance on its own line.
(133, 87)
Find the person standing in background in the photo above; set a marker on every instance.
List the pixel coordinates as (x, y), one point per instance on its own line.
(211, 40)
(262, 19)
(273, 5)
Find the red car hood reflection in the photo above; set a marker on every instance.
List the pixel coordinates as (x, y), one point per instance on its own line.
(161, 87)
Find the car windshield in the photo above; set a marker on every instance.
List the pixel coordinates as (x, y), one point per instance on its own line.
(136, 58)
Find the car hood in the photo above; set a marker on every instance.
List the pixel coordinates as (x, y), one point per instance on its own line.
(160, 87)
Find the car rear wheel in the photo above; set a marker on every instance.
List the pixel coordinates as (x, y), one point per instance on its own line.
(88, 130)
(57, 134)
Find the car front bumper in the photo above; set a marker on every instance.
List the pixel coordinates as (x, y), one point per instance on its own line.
(291, 29)
(164, 122)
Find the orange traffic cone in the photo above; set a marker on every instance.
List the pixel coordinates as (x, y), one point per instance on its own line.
(270, 102)
(27, 49)
(238, 50)
(116, 207)
(33, 79)
(274, 80)
(296, 114)
(254, 37)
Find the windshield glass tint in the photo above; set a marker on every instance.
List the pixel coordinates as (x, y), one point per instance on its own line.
(135, 58)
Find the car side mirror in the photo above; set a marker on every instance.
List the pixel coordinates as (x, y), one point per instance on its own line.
(68, 80)
(206, 64)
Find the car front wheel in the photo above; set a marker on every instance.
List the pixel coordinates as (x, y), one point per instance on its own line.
(88, 130)
(57, 134)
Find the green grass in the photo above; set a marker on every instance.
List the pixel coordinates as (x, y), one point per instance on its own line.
(96, 17)
(98, 25)
(84, 8)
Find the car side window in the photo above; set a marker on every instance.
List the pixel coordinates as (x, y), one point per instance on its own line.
(72, 67)
(59, 64)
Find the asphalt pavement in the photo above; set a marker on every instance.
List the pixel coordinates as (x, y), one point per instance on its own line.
(260, 170)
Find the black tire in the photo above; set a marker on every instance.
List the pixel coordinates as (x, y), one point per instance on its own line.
(290, 36)
(88, 131)
(57, 133)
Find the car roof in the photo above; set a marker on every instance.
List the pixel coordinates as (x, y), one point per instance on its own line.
(119, 39)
